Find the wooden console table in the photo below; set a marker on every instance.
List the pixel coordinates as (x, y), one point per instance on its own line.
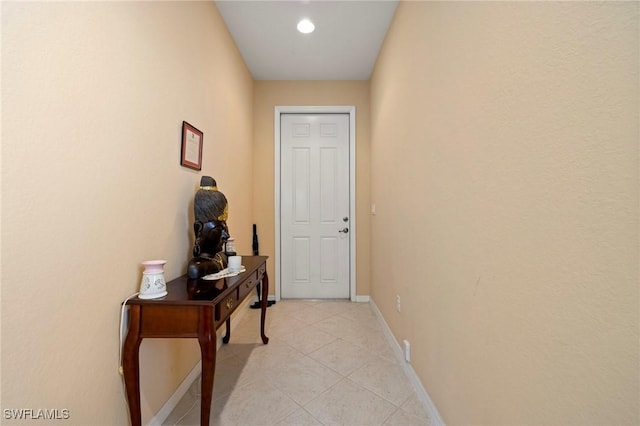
(190, 310)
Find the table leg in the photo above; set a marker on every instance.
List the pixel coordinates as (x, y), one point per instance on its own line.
(227, 335)
(131, 365)
(263, 306)
(207, 340)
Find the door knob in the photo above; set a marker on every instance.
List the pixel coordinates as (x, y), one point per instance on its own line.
(345, 230)
(345, 219)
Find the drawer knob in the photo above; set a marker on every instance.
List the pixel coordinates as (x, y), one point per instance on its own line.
(229, 303)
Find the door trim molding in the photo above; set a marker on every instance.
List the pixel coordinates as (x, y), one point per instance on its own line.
(351, 110)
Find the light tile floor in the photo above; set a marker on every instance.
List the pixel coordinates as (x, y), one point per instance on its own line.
(327, 363)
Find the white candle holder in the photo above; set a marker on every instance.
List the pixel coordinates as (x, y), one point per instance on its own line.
(153, 284)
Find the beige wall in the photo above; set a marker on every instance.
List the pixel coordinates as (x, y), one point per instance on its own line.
(504, 166)
(268, 95)
(501, 152)
(93, 98)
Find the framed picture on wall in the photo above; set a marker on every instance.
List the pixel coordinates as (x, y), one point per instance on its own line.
(191, 153)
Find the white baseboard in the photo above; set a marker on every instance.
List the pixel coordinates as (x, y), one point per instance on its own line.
(183, 388)
(361, 299)
(423, 396)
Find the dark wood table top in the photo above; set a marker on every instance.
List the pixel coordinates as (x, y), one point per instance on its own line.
(184, 291)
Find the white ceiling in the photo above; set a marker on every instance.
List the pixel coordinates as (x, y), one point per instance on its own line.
(344, 45)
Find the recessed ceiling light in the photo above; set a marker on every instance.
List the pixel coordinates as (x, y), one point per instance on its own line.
(306, 26)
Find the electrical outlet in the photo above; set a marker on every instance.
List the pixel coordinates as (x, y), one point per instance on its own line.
(407, 351)
(398, 302)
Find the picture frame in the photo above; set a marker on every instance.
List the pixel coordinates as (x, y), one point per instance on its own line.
(191, 152)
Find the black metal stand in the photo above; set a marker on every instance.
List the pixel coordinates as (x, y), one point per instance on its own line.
(257, 305)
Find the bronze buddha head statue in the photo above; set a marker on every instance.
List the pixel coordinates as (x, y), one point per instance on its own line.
(211, 211)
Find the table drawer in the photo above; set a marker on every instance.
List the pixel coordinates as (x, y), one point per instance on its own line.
(247, 286)
(226, 307)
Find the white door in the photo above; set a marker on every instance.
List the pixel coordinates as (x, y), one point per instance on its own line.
(314, 209)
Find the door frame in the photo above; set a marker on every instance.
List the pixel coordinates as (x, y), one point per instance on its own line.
(351, 110)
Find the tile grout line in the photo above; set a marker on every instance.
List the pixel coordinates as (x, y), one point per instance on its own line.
(357, 320)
